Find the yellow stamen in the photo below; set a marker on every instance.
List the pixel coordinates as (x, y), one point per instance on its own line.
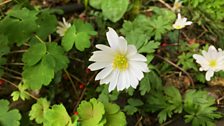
(120, 62)
(213, 63)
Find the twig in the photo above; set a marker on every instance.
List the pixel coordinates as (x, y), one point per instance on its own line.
(205, 30)
(165, 4)
(14, 85)
(139, 120)
(76, 59)
(17, 51)
(84, 90)
(73, 84)
(170, 121)
(16, 64)
(76, 78)
(176, 66)
(10, 70)
(39, 39)
(12, 76)
(188, 39)
(5, 2)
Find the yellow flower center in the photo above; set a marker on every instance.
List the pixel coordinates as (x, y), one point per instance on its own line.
(177, 5)
(120, 62)
(212, 63)
(178, 27)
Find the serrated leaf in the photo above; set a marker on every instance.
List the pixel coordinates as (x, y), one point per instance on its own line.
(8, 117)
(95, 3)
(21, 93)
(21, 22)
(147, 82)
(130, 110)
(38, 110)
(4, 45)
(46, 23)
(57, 116)
(82, 41)
(114, 9)
(199, 108)
(82, 26)
(34, 54)
(39, 74)
(78, 34)
(135, 102)
(69, 38)
(150, 47)
(57, 53)
(113, 115)
(91, 113)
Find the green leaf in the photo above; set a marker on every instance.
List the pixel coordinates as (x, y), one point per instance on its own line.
(57, 116)
(4, 45)
(78, 34)
(39, 74)
(135, 102)
(46, 24)
(199, 108)
(132, 107)
(38, 110)
(91, 113)
(8, 117)
(113, 115)
(21, 93)
(167, 102)
(95, 3)
(58, 55)
(21, 22)
(149, 47)
(130, 110)
(82, 26)
(69, 38)
(34, 54)
(114, 9)
(147, 82)
(82, 41)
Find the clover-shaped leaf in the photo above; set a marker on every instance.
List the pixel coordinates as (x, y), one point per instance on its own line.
(8, 117)
(57, 116)
(91, 113)
(114, 116)
(38, 110)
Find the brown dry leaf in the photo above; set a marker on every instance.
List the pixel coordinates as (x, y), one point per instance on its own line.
(218, 81)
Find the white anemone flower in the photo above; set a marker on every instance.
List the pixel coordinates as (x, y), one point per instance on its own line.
(177, 5)
(211, 61)
(121, 65)
(181, 22)
(63, 27)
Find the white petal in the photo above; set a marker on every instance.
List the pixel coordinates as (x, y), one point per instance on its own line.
(140, 65)
(178, 16)
(113, 82)
(97, 66)
(188, 23)
(121, 81)
(212, 48)
(133, 80)
(137, 57)
(122, 45)
(104, 73)
(200, 59)
(136, 72)
(209, 74)
(112, 38)
(127, 78)
(101, 56)
(104, 48)
(131, 50)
